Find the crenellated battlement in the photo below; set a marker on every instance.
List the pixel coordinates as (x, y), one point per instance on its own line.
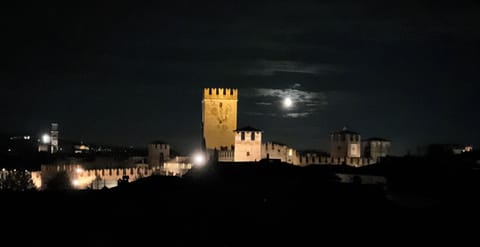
(220, 93)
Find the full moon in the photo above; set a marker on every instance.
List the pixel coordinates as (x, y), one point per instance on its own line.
(287, 102)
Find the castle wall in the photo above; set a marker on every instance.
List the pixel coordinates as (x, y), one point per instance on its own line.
(93, 178)
(280, 152)
(227, 155)
(313, 159)
(176, 168)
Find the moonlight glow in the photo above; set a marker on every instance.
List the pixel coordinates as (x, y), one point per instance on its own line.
(287, 102)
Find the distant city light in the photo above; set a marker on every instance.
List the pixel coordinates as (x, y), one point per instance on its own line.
(287, 102)
(199, 159)
(45, 139)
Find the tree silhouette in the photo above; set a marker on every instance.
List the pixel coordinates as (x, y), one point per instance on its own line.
(17, 181)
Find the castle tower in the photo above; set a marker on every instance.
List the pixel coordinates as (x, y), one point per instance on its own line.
(375, 148)
(54, 138)
(345, 144)
(219, 117)
(248, 144)
(158, 153)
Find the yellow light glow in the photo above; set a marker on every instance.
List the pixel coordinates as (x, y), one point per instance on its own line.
(83, 147)
(75, 182)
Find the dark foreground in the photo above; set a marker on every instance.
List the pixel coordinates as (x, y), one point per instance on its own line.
(233, 207)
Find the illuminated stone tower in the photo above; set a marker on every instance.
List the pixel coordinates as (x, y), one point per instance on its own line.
(54, 138)
(248, 144)
(219, 117)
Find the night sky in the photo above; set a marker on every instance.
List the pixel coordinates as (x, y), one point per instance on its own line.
(130, 73)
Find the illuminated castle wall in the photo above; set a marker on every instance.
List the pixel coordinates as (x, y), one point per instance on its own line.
(219, 117)
(93, 178)
(82, 178)
(281, 152)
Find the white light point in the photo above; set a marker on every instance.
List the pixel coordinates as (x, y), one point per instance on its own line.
(287, 102)
(199, 159)
(45, 139)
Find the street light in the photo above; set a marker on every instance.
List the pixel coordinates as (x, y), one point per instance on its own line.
(75, 182)
(199, 159)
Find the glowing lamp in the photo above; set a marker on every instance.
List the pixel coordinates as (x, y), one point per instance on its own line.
(199, 159)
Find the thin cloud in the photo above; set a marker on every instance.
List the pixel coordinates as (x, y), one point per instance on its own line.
(261, 114)
(296, 95)
(305, 102)
(296, 114)
(270, 67)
